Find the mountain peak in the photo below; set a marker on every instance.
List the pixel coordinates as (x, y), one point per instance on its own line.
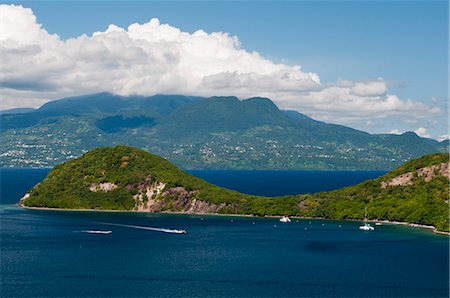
(232, 99)
(259, 99)
(410, 134)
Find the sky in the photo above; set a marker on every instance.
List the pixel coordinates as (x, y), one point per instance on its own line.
(378, 66)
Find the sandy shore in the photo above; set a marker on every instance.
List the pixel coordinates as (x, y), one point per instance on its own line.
(242, 215)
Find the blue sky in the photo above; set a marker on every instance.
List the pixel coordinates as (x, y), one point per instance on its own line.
(404, 42)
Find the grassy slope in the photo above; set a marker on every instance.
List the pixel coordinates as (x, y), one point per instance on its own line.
(67, 186)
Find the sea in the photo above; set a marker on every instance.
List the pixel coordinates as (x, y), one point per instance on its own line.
(115, 254)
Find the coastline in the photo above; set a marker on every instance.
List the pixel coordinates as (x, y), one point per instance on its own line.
(413, 225)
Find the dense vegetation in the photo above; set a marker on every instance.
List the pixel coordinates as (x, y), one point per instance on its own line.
(421, 203)
(199, 133)
(67, 186)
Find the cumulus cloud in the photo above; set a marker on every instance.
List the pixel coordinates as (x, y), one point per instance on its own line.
(152, 58)
(422, 132)
(142, 59)
(370, 88)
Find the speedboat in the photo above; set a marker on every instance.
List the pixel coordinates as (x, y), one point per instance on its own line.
(179, 231)
(98, 232)
(285, 219)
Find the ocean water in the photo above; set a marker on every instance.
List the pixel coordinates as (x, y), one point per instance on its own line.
(14, 183)
(278, 183)
(51, 253)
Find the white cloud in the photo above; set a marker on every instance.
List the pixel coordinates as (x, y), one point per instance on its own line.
(142, 59)
(155, 58)
(370, 88)
(422, 132)
(395, 132)
(443, 137)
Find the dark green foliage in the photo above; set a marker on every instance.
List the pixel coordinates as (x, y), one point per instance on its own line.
(116, 123)
(67, 186)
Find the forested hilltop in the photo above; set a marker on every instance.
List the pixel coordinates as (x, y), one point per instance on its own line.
(127, 178)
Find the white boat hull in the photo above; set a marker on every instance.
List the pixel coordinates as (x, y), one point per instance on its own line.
(366, 228)
(285, 219)
(98, 232)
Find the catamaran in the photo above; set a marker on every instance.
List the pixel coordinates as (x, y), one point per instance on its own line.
(366, 226)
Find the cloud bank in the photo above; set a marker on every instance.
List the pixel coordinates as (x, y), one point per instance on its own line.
(152, 58)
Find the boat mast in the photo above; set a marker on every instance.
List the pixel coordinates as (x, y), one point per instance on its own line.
(365, 216)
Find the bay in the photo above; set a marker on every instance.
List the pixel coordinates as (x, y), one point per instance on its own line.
(279, 183)
(50, 253)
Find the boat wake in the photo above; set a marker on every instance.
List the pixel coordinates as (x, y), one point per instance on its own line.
(163, 230)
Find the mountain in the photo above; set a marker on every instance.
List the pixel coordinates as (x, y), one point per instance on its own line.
(96, 105)
(110, 103)
(223, 114)
(199, 133)
(126, 178)
(16, 111)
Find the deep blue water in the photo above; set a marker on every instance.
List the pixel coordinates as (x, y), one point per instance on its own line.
(46, 253)
(277, 183)
(14, 183)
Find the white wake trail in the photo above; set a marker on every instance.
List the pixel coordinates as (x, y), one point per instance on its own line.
(163, 230)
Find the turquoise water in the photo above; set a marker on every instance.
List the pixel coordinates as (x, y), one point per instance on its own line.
(49, 253)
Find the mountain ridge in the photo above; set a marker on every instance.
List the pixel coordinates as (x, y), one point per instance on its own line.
(200, 133)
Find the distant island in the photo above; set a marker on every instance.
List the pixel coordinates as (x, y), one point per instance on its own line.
(131, 179)
(199, 133)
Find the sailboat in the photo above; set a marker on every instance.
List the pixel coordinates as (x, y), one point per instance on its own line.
(285, 219)
(366, 226)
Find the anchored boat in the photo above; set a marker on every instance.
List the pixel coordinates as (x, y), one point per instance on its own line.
(366, 226)
(285, 219)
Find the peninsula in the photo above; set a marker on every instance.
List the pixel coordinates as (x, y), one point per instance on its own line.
(127, 178)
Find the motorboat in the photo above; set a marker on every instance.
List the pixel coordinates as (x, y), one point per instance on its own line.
(179, 231)
(103, 232)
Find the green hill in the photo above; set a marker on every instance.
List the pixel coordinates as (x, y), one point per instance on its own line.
(417, 192)
(133, 175)
(127, 178)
